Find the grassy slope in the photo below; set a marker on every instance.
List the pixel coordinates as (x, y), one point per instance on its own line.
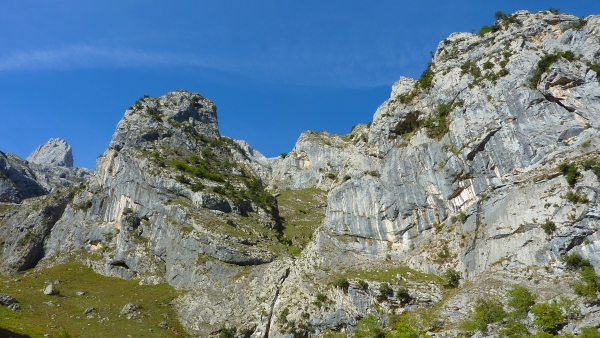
(302, 212)
(66, 318)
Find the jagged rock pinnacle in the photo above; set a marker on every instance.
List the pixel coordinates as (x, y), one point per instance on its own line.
(55, 152)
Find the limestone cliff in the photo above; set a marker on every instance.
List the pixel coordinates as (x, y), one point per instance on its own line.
(55, 152)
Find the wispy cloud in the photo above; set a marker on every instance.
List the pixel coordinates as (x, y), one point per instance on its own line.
(310, 67)
(90, 56)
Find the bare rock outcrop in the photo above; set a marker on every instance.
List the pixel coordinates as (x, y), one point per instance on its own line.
(55, 152)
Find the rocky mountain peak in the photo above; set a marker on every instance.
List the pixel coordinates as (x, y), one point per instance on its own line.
(55, 152)
(178, 119)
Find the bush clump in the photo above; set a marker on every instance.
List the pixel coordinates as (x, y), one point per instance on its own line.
(520, 300)
(576, 25)
(369, 327)
(439, 124)
(544, 64)
(452, 277)
(182, 179)
(549, 227)
(342, 283)
(548, 317)
(83, 205)
(385, 290)
(574, 261)
(502, 19)
(576, 198)
(403, 296)
(423, 83)
(486, 29)
(570, 172)
(514, 329)
(486, 311)
(589, 285)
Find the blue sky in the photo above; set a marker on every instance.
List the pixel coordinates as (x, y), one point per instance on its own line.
(274, 69)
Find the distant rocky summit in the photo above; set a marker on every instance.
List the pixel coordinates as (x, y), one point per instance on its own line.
(55, 152)
(469, 206)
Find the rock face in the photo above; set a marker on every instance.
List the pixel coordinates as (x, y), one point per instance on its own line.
(55, 152)
(6, 299)
(488, 165)
(17, 180)
(47, 169)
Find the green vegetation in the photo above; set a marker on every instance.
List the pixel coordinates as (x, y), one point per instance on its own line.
(369, 327)
(342, 283)
(574, 261)
(502, 19)
(520, 300)
(301, 212)
(423, 83)
(182, 179)
(67, 314)
(408, 125)
(28, 237)
(576, 25)
(514, 329)
(403, 296)
(549, 227)
(426, 79)
(548, 317)
(283, 315)
(596, 68)
(570, 172)
(574, 197)
(385, 290)
(8, 208)
(544, 64)
(486, 311)
(84, 206)
(470, 67)
(461, 217)
(155, 114)
(452, 278)
(201, 170)
(212, 166)
(388, 273)
(485, 29)
(589, 332)
(320, 300)
(438, 125)
(589, 285)
(591, 164)
(197, 186)
(363, 285)
(373, 173)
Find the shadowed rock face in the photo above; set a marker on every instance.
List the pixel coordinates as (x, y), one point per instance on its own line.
(55, 152)
(17, 180)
